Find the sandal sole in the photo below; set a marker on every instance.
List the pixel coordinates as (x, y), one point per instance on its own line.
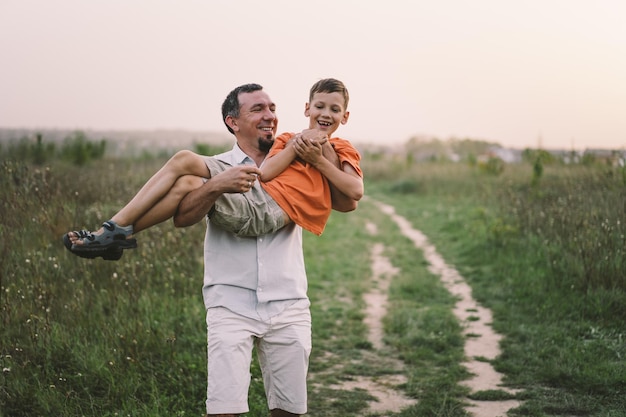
(116, 244)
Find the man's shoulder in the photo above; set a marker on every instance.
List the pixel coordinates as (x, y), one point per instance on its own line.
(226, 157)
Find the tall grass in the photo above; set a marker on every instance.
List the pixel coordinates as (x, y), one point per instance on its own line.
(94, 337)
(100, 338)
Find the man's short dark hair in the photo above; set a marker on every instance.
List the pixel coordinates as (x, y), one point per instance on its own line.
(231, 105)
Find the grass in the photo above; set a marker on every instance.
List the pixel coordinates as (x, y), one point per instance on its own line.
(127, 338)
(564, 327)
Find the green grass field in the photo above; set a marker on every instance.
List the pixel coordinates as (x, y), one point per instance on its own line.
(127, 338)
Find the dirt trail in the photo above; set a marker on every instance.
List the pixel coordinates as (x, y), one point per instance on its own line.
(483, 343)
(389, 398)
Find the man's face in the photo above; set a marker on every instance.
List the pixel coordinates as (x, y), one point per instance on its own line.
(257, 121)
(326, 112)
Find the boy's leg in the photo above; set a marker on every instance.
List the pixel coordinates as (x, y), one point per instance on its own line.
(160, 184)
(167, 206)
(160, 188)
(253, 213)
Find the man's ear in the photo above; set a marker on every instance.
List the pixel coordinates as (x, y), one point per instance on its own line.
(232, 123)
(345, 117)
(307, 108)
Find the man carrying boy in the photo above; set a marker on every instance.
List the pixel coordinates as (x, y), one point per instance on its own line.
(255, 288)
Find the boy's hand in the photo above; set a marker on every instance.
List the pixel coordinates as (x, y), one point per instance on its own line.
(313, 135)
(309, 150)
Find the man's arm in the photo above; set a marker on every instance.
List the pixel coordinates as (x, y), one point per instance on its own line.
(195, 205)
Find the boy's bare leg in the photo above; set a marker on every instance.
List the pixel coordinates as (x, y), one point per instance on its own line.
(167, 206)
(144, 205)
(159, 185)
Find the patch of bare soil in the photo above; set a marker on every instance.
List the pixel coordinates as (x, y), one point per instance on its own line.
(482, 342)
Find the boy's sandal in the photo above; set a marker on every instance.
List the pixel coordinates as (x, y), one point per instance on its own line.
(109, 254)
(109, 244)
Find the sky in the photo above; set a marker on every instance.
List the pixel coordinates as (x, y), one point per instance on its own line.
(533, 73)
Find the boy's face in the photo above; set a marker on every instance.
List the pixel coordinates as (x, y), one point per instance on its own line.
(326, 112)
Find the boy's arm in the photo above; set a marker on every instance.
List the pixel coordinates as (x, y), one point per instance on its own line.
(278, 162)
(346, 185)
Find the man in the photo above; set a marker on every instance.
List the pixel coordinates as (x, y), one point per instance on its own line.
(255, 288)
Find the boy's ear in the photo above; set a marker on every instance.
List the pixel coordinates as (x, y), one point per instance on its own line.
(307, 108)
(232, 123)
(345, 117)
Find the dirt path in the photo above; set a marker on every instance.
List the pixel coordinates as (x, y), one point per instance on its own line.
(481, 341)
(476, 320)
(389, 398)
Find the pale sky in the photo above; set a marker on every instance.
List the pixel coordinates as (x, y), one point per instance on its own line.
(520, 73)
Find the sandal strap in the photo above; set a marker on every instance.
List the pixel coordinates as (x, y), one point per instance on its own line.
(111, 226)
(83, 234)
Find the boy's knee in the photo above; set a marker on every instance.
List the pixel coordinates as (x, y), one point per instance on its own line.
(183, 156)
(187, 183)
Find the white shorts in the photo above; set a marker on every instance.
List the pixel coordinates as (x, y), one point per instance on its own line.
(283, 345)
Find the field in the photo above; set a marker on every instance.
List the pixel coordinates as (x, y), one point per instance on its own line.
(542, 246)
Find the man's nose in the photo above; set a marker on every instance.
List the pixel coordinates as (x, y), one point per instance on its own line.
(269, 115)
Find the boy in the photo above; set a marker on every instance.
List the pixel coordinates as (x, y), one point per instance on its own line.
(296, 181)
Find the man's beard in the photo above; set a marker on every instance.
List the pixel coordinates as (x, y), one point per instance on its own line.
(266, 142)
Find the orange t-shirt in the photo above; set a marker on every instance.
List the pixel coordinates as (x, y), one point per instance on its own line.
(302, 191)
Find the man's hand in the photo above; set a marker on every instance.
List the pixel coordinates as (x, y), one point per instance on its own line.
(238, 179)
(197, 203)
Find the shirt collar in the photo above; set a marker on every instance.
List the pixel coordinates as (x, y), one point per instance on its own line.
(240, 156)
